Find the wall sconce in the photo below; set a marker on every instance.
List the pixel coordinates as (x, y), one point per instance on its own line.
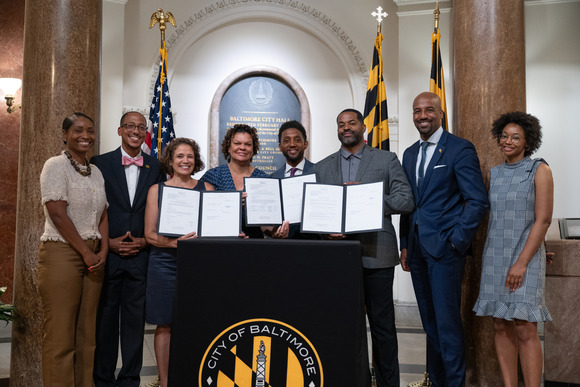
(10, 86)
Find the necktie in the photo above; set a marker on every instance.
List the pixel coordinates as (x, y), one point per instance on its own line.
(424, 146)
(138, 161)
(293, 171)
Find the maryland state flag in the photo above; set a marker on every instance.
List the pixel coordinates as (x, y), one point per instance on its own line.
(375, 113)
(161, 131)
(437, 82)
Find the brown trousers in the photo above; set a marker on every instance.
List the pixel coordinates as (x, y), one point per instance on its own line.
(70, 298)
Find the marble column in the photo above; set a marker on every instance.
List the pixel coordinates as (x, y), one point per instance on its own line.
(61, 75)
(489, 80)
(12, 49)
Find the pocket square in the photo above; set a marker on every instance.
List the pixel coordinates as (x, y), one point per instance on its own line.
(439, 166)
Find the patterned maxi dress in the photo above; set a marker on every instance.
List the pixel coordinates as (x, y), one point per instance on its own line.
(512, 196)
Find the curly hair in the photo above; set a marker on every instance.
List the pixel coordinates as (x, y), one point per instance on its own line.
(530, 125)
(240, 128)
(169, 151)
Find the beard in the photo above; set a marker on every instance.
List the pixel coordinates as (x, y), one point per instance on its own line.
(355, 139)
(293, 159)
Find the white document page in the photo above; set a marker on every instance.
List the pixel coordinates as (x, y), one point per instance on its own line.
(292, 190)
(221, 214)
(263, 203)
(322, 211)
(364, 207)
(179, 212)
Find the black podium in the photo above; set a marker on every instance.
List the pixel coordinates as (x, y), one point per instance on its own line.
(268, 313)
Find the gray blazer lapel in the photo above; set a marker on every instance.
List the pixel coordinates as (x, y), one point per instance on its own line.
(367, 156)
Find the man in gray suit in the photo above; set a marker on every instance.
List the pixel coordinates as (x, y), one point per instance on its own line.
(355, 162)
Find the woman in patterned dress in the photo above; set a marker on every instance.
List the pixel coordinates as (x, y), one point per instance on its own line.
(239, 146)
(514, 257)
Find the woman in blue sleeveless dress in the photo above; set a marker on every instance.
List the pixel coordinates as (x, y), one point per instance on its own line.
(514, 257)
(239, 146)
(181, 159)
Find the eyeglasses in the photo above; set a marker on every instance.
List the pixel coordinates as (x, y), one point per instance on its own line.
(514, 138)
(131, 126)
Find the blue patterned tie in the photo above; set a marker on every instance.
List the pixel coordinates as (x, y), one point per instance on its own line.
(424, 146)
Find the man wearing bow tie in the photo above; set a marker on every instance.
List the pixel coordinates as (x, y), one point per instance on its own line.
(128, 175)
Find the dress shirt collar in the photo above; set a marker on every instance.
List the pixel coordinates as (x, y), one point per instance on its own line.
(299, 167)
(346, 154)
(435, 137)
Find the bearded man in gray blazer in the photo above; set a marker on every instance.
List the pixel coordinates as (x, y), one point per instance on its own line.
(355, 162)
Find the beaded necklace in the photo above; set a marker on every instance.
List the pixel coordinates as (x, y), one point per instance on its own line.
(84, 170)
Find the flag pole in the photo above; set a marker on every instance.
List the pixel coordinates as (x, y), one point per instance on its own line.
(436, 12)
(425, 382)
(375, 110)
(162, 18)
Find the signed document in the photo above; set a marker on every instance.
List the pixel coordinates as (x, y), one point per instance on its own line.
(271, 200)
(363, 209)
(322, 208)
(221, 214)
(179, 211)
(263, 203)
(292, 191)
(342, 209)
(209, 214)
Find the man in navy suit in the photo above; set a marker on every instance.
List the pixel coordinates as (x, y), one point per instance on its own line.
(292, 143)
(450, 202)
(128, 175)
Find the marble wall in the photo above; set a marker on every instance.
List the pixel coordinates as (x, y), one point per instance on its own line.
(11, 49)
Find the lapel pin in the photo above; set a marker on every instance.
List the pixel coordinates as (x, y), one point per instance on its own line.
(439, 150)
(147, 165)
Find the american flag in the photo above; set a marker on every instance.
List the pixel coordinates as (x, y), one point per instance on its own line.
(160, 131)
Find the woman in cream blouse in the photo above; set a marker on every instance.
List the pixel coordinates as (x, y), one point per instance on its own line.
(72, 256)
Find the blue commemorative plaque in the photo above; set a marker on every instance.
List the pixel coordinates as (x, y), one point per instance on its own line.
(264, 103)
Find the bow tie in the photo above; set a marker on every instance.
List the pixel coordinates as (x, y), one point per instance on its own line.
(138, 161)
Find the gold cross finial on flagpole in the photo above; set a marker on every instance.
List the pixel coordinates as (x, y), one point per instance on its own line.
(436, 13)
(379, 15)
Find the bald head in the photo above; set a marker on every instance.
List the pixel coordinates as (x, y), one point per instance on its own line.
(435, 100)
(427, 114)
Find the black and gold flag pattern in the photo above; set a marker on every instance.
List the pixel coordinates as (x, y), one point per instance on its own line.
(437, 81)
(375, 112)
